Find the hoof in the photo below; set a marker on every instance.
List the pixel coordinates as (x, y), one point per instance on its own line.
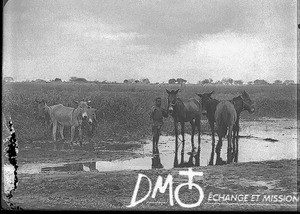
(220, 162)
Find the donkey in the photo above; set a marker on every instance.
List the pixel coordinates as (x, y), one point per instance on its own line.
(209, 105)
(66, 116)
(89, 124)
(241, 103)
(226, 117)
(44, 113)
(185, 111)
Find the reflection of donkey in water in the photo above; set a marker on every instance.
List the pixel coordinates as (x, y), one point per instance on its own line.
(185, 111)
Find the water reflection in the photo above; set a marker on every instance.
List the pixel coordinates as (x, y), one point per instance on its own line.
(75, 167)
(252, 148)
(156, 163)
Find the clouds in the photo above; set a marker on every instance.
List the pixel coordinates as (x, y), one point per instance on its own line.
(120, 39)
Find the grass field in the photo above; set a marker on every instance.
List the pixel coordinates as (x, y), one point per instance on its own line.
(123, 109)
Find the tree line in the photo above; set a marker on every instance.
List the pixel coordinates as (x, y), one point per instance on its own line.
(207, 81)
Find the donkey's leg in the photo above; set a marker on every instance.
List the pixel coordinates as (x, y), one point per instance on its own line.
(198, 124)
(176, 145)
(218, 150)
(237, 146)
(212, 128)
(80, 135)
(233, 151)
(192, 142)
(54, 133)
(61, 130)
(72, 137)
(229, 147)
(183, 142)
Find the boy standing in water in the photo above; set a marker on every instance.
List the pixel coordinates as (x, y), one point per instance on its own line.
(156, 115)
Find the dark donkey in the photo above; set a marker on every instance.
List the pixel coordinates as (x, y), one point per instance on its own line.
(241, 103)
(43, 111)
(185, 111)
(209, 105)
(225, 116)
(89, 124)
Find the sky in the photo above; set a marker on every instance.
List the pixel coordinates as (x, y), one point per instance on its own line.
(115, 40)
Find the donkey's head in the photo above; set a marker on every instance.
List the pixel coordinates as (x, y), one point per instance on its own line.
(248, 103)
(243, 102)
(205, 99)
(172, 100)
(83, 107)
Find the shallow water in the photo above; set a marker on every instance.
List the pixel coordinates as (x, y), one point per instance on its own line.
(254, 145)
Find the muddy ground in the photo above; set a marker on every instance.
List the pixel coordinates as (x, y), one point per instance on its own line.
(96, 190)
(114, 190)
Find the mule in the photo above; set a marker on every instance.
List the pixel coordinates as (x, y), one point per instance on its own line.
(185, 111)
(209, 105)
(226, 117)
(62, 116)
(43, 112)
(89, 124)
(241, 103)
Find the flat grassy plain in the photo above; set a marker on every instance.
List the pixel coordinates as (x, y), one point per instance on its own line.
(123, 109)
(123, 116)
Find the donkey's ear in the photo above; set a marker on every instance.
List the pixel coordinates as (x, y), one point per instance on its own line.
(211, 93)
(177, 91)
(200, 95)
(168, 91)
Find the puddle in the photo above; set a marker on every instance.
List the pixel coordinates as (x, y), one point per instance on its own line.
(266, 140)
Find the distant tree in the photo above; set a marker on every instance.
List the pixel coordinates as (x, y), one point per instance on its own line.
(146, 81)
(260, 82)
(207, 81)
(250, 83)
(219, 82)
(289, 82)
(73, 79)
(277, 82)
(78, 79)
(8, 79)
(172, 81)
(126, 81)
(136, 81)
(131, 80)
(57, 80)
(40, 81)
(238, 82)
(227, 81)
(181, 81)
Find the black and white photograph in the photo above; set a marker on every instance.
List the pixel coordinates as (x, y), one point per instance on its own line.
(150, 105)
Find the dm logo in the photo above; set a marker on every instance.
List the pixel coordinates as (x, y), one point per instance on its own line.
(162, 188)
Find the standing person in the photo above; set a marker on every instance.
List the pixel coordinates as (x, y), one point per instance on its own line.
(156, 115)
